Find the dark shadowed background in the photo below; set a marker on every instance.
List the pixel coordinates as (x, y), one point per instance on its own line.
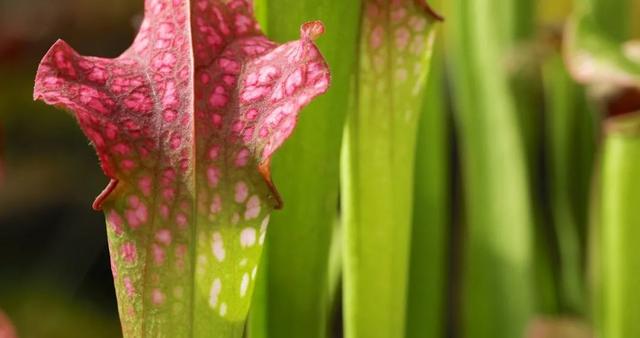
(55, 279)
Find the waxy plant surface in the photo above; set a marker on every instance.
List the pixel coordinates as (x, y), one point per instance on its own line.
(184, 123)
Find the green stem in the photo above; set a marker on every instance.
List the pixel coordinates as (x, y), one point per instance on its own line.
(497, 286)
(620, 228)
(428, 278)
(308, 177)
(378, 159)
(571, 140)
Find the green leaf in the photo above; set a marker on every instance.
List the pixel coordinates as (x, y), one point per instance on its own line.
(396, 38)
(571, 132)
(185, 123)
(619, 228)
(428, 278)
(497, 287)
(307, 173)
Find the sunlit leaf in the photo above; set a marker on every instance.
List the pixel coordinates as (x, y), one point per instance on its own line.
(428, 277)
(307, 172)
(396, 39)
(185, 123)
(617, 229)
(497, 286)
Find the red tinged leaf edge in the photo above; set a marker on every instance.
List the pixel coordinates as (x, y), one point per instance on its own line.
(185, 123)
(424, 5)
(111, 186)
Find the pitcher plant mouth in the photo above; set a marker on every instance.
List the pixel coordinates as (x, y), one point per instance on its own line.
(482, 186)
(185, 123)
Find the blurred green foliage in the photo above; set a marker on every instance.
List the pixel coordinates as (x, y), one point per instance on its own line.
(509, 148)
(296, 297)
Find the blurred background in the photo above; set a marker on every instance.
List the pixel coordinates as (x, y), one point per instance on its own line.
(55, 279)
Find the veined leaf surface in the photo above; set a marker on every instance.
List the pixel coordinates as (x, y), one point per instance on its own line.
(185, 123)
(396, 39)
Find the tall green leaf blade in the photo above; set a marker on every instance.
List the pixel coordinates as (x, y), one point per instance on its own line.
(619, 226)
(522, 64)
(598, 55)
(571, 144)
(426, 302)
(297, 298)
(377, 174)
(497, 286)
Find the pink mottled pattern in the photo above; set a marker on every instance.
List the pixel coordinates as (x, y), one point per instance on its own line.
(184, 122)
(148, 109)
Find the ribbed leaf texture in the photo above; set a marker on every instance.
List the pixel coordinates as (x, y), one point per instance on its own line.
(396, 39)
(185, 123)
